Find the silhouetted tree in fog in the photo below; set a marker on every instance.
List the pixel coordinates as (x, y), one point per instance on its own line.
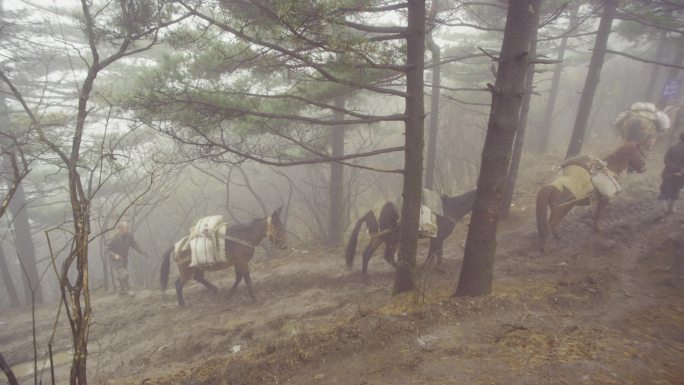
(478, 261)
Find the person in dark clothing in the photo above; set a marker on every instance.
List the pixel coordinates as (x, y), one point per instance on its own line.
(118, 252)
(673, 174)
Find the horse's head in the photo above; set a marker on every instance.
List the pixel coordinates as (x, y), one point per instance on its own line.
(276, 230)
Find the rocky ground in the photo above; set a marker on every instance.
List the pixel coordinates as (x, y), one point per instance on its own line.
(597, 308)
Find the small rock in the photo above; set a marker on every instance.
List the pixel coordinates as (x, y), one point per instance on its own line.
(236, 349)
(427, 342)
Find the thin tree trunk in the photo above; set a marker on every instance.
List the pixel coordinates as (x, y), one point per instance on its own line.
(655, 71)
(547, 122)
(105, 275)
(478, 261)
(25, 248)
(7, 279)
(413, 154)
(8, 371)
(519, 136)
(336, 193)
(434, 102)
(593, 76)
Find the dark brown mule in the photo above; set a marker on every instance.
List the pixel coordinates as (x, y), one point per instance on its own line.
(628, 157)
(385, 229)
(240, 243)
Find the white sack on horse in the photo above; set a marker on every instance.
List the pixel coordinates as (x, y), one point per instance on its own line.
(606, 183)
(207, 241)
(663, 121)
(428, 222)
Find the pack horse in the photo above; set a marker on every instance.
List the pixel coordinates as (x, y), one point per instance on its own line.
(213, 245)
(383, 227)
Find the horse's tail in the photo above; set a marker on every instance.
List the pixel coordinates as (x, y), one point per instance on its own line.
(353, 239)
(165, 268)
(543, 198)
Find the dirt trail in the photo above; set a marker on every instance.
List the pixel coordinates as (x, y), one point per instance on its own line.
(596, 309)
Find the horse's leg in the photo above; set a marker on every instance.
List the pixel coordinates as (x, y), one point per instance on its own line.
(199, 277)
(435, 250)
(185, 275)
(390, 250)
(248, 281)
(600, 205)
(238, 279)
(368, 253)
(557, 213)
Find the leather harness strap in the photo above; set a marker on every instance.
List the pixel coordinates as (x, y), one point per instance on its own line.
(269, 233)
(239, 241)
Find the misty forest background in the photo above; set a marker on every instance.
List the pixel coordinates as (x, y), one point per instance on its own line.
(190, 109)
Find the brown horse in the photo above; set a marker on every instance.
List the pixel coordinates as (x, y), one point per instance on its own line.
(628, 157)
(240, 242)
(385, 229)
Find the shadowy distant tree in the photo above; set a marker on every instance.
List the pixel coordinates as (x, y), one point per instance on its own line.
(592, 80)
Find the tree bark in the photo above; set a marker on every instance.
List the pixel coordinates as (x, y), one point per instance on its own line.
(519, 136)
(336, 211)
(7, 279)
(413, 154)
(593, 77)
(478, 261)
(434, 103)
(25, 248)
(547, 121)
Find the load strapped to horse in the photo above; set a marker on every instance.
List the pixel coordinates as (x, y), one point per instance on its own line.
(584, 175)
(206, 242)
(431, 207)
(641, 123)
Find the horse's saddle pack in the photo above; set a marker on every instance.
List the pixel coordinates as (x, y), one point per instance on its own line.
(431, 207)
(645, 118)
(582, 175)
(206, 242)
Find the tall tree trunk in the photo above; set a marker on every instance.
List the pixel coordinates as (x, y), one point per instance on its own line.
(7, 279)
(655, 71)
(593, 76)
(25, 248)
(336, 212)
(478, 261)
(547, 121)
(414, 142)
(434, 101)
(519, 136)
(673, 72)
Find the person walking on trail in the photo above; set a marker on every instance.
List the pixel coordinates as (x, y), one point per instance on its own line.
(118, 252)
(641, 123)
(673, 175)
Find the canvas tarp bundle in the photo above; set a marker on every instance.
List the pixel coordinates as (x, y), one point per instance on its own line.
(207, 241)
(431, 207)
